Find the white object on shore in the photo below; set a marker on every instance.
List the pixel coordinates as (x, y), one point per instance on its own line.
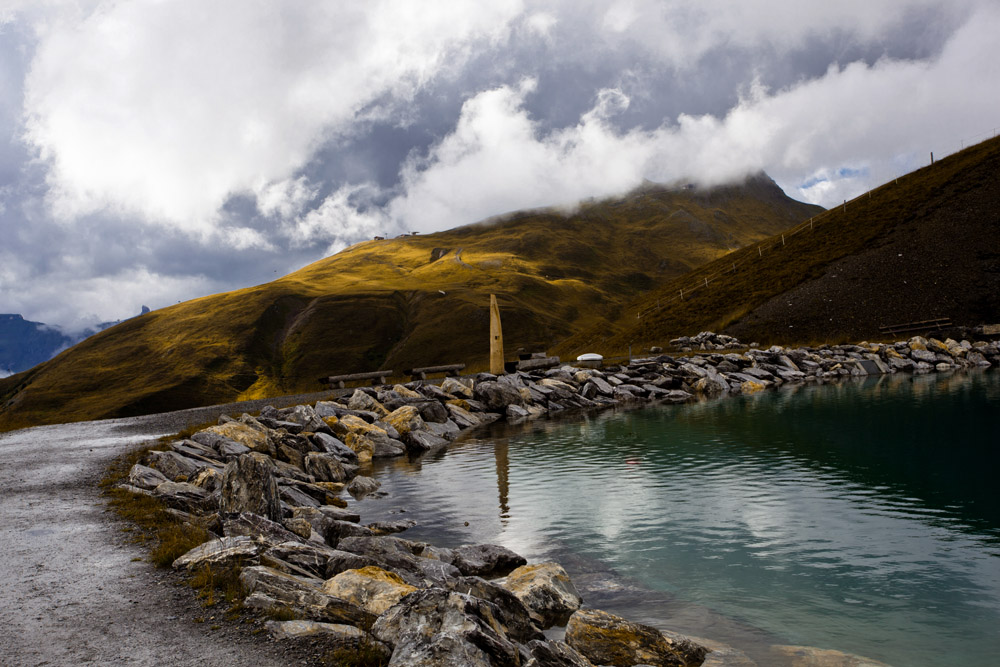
(590, 356)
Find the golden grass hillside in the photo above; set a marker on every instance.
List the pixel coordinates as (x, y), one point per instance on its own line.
(400, 303)
(921, 247)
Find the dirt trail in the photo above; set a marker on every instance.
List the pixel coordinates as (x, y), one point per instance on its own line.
(71, 589)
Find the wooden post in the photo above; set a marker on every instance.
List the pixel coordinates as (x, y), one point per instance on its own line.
(706, 281)
(782, 239)
(759, 252)
(496, 338)
(932, 157)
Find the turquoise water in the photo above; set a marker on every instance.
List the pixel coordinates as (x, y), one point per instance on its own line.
(861, 517)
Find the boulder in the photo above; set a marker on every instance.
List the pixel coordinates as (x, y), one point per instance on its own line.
(606, 639)
(362, 401)
(333, 531)
(184, 496)
(497, 396)
(331, 445)
(421, 441)
(361, 445)
(457, 388)
(327, 467)
(209, 479)
(370, 588)
(306, 417)
(303, 596)
(361, 486)
(405, 419)
(173, 465)
(517, 620)
(219, 551)
(445, 629)
(396, 555)
(254, 439)
(462, 417)
(145, 477)
(227, 448)
(249, 485)
(341, 561)
(346, 634)
(486, 560)
(554, 654)
(546, 590)
(261, 529)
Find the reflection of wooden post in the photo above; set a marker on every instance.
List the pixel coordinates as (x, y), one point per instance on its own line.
(496, 338)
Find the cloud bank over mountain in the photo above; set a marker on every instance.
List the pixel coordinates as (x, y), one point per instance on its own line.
(154, 152)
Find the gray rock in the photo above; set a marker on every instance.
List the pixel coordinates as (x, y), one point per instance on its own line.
(309, 557)
(923, 355)
(362, 401)
(463, 418)
(517, 620)
(145, 477)
(516, 412)
(555, 654)
(445, 629)
(341, 561)
(306, 417)
(496, 396)
(326, 467)
(184, 496)
(421, 441)
(226, 447)
(303, 596)
(331, 445)
(295, 497)
(262, 530)
(486, 560)
(361, 486)
(387, 448)
(174, 465)
(396, 555)
(219, 551)
(249, 485)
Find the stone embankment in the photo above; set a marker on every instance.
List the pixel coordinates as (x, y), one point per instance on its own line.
(268, 488)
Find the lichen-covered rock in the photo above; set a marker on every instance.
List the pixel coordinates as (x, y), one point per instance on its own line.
(329, 444)
(219, 551)
(456, 388)
(249, 485)
(362, 401)
(546, 590)
(445, 629)
(308, 629)
(405, 419)
(486, 560)
(370, 588)
(396, 555)
(303, 596)
(606, 639)
(390, 527)
(362, 445)
(255, 439)
(462, 417)
(306, 417)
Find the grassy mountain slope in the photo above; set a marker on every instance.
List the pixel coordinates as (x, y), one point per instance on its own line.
(400, 303)
(922, 247)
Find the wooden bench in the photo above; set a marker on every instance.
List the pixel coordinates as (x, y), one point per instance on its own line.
(450, 370)
(339, 380)
(909, 327)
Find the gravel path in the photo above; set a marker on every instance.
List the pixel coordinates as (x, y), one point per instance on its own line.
(72, 590)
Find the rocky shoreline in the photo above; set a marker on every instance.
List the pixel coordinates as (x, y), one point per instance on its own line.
(267, 489)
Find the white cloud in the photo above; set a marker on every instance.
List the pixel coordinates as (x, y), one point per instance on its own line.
(164, 110)
(345, 217)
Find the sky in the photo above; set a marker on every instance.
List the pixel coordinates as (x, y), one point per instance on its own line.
(154, 151)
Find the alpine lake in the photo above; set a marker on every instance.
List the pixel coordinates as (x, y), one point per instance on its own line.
(862, 516)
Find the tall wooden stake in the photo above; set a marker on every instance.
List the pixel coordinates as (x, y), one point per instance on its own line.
(496, 338)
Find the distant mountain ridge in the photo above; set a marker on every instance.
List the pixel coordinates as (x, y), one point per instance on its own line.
(404, 302)
(24, 344)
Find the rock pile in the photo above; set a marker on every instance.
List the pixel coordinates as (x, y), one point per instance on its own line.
(268, 488)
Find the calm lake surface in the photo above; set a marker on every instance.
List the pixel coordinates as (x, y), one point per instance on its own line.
(862, 517)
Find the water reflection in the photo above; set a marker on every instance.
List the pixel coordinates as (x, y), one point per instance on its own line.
(858, 516)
